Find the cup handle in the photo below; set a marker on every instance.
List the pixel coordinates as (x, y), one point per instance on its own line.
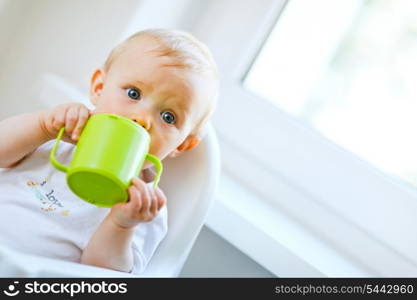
(52, 158)
(158, 165)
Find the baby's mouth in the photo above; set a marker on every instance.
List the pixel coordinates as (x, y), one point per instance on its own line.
(139, 123)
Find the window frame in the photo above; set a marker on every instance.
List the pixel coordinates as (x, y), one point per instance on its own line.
(302, 174)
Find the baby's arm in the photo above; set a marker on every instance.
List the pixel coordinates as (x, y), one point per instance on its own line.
(20, 135)
(111, 245)
(24, 133)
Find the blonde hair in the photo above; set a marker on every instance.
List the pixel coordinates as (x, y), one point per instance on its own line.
(188, 53)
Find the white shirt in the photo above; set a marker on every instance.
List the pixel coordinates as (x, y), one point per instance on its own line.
(40, 215)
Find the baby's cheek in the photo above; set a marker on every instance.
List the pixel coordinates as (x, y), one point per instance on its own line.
(162, 145)
(157, 146)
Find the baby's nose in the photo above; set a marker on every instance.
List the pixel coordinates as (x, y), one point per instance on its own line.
(143, 122)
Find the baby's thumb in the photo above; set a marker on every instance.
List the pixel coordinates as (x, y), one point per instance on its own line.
(161, 198)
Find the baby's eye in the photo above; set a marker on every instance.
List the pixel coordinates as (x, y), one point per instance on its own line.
(168, 117)
(133, 93)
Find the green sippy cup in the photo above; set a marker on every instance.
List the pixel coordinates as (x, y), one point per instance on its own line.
(109, 154)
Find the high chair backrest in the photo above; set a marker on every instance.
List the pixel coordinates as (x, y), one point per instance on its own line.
(189, 182)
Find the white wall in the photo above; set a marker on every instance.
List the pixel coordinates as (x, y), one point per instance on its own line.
(66, 38)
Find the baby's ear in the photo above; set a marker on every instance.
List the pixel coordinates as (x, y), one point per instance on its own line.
(96, 85)
(189, 143)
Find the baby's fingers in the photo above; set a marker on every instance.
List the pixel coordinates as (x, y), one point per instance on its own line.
(82, 119)
(154, 202)
(135, 199)
(161, 198)
(58, 119)
(145, 195)
(71, 118)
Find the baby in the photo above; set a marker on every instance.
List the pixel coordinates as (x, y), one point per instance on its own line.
(166, 81)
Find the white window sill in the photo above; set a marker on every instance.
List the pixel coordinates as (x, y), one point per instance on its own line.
(273, 239)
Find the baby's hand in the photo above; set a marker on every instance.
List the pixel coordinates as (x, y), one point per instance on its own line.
(72, 116)
(144, 203)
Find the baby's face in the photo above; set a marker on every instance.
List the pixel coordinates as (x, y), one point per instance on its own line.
(165, 100)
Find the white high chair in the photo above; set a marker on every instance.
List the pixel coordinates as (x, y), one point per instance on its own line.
(189, 182)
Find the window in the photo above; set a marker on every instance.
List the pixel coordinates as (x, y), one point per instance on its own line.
(292, 152)
(348, 69)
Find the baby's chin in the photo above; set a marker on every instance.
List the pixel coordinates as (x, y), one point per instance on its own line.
(148, 173)
(147, 165)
